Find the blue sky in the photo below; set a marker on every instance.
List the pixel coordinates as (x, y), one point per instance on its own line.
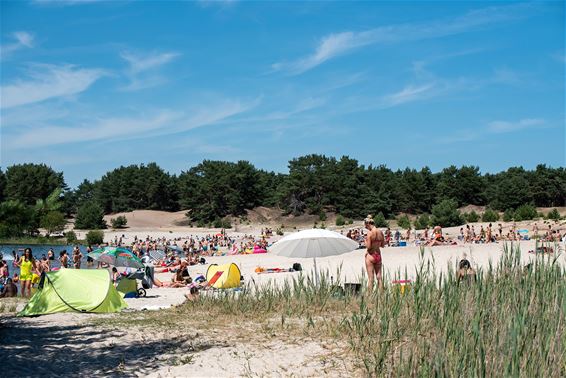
(87, 86)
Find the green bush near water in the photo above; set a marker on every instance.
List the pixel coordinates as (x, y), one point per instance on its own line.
(71, 237)
(95, 237)
(340, 221)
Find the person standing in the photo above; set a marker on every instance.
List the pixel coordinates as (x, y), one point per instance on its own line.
(374, 242)
(64, 259)
(27, 267)
(77, 256)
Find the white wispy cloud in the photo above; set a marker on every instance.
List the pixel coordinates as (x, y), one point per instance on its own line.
(22, 40)
(408, 94)
(140, 63)
(143, 125)
(494, 127)
(511, 126)
(337, 44)
(46, 81)
(142, 69)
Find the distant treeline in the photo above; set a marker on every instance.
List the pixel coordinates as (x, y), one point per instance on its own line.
(314, 184)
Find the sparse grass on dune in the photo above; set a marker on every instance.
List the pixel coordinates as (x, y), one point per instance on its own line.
(509, 322)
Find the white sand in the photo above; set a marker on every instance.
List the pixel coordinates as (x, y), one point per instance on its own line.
(66, 344)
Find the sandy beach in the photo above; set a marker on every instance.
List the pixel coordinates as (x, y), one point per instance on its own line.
(86, 344)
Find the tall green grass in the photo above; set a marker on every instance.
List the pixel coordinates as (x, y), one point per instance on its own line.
(510, 321)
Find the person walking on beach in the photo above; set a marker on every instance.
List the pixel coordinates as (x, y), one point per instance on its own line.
(374, 242)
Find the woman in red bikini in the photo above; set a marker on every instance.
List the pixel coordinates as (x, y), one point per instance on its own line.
(374, 242)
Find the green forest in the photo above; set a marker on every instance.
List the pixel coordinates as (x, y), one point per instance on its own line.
(34, 195)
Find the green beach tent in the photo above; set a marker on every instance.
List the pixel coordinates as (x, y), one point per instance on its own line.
(74, 290)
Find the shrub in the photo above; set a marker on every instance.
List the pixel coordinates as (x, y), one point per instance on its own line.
(446, 214)
(322, 216)
(340, 221)
(350, 221)
(95, 237)
(71, 237)
(490, 215)
(422, 222)
(525, 212)
(553, 214)
(472, 217)
(322, 225)
(508, 215)
(404, 222)
(90, 216)
(53, 221)
(221, 223)
(119, 222)
(279, 232)
(380, 220)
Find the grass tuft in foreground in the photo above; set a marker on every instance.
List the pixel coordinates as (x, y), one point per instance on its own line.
(509, 322)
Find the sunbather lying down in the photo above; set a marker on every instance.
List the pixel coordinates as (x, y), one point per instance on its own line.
(173, 284)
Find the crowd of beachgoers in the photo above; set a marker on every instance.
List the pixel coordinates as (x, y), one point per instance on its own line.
(467, 234)
(175, 255)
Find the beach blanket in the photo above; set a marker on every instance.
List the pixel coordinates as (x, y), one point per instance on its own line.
(260, 270)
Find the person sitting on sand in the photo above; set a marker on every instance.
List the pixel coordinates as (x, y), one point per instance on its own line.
(437, 238)
(159, 283)
(465, 271)
(193, 294)
(182, 275)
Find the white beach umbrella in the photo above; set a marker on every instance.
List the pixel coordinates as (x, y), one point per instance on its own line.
(312, 244)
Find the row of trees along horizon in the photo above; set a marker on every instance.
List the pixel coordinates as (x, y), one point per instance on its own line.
(34, 195)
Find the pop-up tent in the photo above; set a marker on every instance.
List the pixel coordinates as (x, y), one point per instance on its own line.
(74, 290)
(223, 276)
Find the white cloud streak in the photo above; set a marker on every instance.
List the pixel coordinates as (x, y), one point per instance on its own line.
(22, 40)
(161, 122)
(47, 82)
(338, 44)
(141, 63)
(500, 127)
(141, 70)
(408, 94)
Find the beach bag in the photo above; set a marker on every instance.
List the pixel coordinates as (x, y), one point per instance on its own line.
(297, 267)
